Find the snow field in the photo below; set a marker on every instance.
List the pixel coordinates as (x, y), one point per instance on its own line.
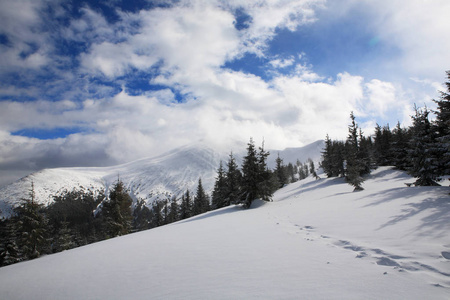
(317, 240)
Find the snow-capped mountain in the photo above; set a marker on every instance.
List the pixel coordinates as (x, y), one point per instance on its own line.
(148, 179)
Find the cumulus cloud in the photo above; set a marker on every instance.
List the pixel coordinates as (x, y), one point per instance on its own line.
(185, 46)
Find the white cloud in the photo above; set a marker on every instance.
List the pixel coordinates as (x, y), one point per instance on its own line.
(190, 42)
(282, 63)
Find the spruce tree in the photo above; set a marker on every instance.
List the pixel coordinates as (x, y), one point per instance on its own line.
(423, 150)
(327, 157)
(117, 211)
(233, 182)
(290, 173)
(141, 216)
(157, 213)
(65, 238)
(186, 206)
(174, 210)
(382, 145)
(250, 170)
(354, 164)
(280, 172)
(220, 188)
(201, 200)
(301, 172)
(312, 169)
(400, 144)
(442, 127)
(9, 250)
(31, 226)
(266, 187)
(256, 177)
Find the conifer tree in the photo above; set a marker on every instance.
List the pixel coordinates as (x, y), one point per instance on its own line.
(354, 164)
(400, 140)
(233, 182)
(32, 226)
(9, 250)
(424, 163)
(442, 127)
(65, 237)
(301, 172)
(157, 213)
(280, 172)
(250, 170)
(201, 200)
(365, 153)
(141, 216)
(312, 169)
(186, 206)
(165, 211)
(290, 173)
(174, 210)
(327, 157)
(256, 177)
(117, 211)
(266, 187)
(220, 189)
(382, 145)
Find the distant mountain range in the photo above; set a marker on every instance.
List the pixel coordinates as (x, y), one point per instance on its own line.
(149, 179)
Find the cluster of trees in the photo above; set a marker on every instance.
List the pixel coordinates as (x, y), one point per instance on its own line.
(423, 149)
(167, 211)
(69, 221)
(293, 172)
(242, 186)
(255, 180)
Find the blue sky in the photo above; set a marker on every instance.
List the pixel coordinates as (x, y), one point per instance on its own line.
(94, 83)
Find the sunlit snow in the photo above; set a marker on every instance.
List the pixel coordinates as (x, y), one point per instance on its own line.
(317, 240)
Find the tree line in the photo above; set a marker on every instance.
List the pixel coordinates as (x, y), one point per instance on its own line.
(80, 217)
(423, 149)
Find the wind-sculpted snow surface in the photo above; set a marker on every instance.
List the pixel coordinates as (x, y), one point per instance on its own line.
(148, 179)
(317, 240)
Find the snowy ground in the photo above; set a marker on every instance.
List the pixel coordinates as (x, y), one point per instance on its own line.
(317, 240)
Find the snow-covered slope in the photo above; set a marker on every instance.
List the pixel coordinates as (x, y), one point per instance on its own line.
(158, 177)
(317, 240)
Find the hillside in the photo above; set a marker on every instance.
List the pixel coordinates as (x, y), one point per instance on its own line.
(169, 174)
(317, 240)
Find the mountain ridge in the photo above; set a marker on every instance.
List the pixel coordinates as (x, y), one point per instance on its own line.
(148, 179)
